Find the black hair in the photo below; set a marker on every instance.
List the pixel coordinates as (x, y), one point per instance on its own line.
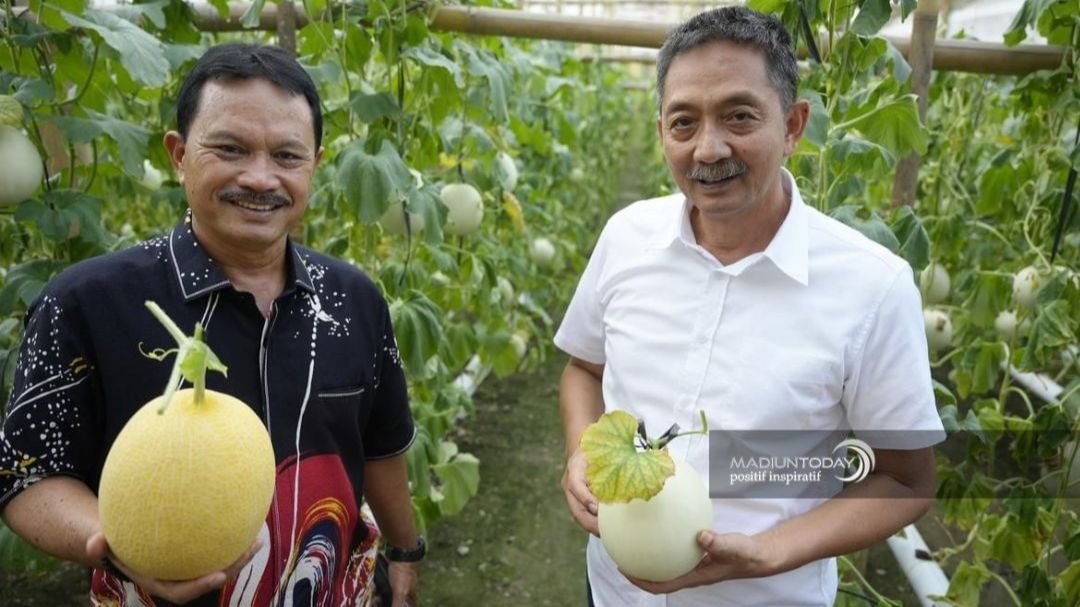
(740, 25)
(239, 61)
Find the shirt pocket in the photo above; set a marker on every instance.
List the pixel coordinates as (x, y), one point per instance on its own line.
(785, 387)
(342, 411)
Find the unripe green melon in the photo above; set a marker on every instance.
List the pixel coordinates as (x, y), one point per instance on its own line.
(185, 492)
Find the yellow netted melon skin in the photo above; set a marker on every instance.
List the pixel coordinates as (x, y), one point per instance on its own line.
(185, 493)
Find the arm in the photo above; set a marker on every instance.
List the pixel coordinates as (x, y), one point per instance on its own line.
(59, 515)
(581, 402)
(386, 489)
(895, 494)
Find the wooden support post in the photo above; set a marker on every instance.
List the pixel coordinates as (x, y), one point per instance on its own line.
(286, 26)
(921, 58)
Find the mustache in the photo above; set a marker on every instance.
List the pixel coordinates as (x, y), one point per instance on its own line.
(724, 169)
(255, 197)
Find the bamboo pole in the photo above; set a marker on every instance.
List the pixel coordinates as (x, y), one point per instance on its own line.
(921, 58)
(949, 55)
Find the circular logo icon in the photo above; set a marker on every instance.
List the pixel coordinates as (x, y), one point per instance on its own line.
(860, 460)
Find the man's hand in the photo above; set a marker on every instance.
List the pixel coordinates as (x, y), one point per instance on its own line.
(405, 582)
(583, 504)
(728, 556)
(175, 592)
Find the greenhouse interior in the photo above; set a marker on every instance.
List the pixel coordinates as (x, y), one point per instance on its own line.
(819, 177)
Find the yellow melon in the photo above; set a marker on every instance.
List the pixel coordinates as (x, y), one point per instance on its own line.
(186, 486)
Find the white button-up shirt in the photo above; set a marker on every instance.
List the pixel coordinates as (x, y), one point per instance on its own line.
(822, 330)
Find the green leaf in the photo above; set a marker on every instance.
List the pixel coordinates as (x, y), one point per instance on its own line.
(912, 235)
(370, 108)
(873, 15)
(433, 58)
(817, 128)
(970, 423)
(481, 63)
(459, 479)
(371, 182)
(141, 54)
(991, 294)
(967, 582)
(11, 111)
(617, 471)
(1070, 583)
(871, 226)
(907, 7)
(894, 125)
(767, 6)
(24, 282)
(1034, 584)
(29, 90)
(900, 67)
(418, 330)
(427, 203)
(250, 18)
(131, 139)
(1051, 331)
(1014, 544)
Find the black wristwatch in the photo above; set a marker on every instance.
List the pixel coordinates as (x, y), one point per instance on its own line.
(407, 555)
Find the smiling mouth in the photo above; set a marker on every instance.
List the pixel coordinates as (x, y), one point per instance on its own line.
(254, 206)
(259, 202)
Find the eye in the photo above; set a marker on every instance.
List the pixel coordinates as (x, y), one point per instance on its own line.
(681, 122)
(228, 148)
(742, 116)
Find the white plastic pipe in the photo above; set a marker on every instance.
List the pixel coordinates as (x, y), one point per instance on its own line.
(925, 575)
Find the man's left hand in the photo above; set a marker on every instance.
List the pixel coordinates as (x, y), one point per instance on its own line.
(405, 582)
(728, 556)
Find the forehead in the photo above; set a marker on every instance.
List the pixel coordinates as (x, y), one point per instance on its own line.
(253, 105)
(713, 72)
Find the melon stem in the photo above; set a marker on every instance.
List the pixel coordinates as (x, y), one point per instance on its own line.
(193, 359)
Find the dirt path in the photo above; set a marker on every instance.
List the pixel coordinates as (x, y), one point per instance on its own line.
(515, 543)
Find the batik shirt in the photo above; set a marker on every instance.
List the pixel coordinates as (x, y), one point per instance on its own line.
(322, 372)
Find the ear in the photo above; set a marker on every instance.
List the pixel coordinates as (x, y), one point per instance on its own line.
(174, 144)
(660, 127)
(795, 124)
(318, 157)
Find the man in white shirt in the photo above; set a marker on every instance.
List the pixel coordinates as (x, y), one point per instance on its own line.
(735, 298)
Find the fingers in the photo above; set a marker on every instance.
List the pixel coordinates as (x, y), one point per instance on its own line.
(582, 503)
(97, 548)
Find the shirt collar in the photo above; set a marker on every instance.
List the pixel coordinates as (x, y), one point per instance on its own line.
(197, 274)
(789, 249)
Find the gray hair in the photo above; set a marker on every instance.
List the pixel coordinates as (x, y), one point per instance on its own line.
(740, 25)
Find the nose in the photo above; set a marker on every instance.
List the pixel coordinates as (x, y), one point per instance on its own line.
(260, 174)
(712, 145)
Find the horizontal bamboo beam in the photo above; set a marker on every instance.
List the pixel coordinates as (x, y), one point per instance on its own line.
(949, 55)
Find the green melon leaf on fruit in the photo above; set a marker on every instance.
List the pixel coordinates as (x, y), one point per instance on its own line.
(617, 471)
(11, 111)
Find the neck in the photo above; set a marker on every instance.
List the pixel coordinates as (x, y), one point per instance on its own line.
(730, 238)
(260, 272)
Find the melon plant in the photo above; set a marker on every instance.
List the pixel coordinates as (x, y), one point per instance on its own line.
(651, 508)
(188, 482)
(20, 162)
(466, 208)
(393, 220)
